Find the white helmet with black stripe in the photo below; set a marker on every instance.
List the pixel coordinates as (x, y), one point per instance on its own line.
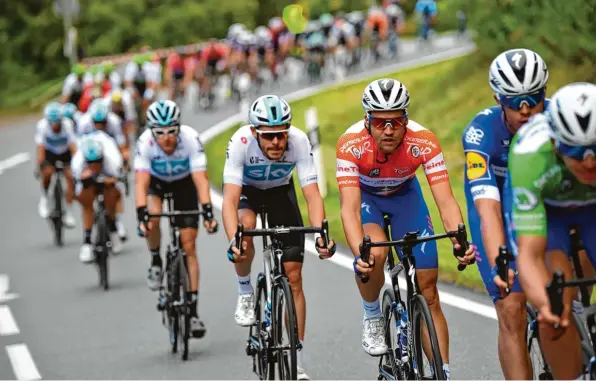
(163, 113)
(572, 114)
(385, 95)
(518, 72)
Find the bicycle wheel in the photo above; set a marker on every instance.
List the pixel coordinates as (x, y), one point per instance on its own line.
(388, 366)
(173, 288)
(428, 367)
(101, 250)
(57, 213)
(283, 321)
(541, 370)
(257, 346)
(184, 315)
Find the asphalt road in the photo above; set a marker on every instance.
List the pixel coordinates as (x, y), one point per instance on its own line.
(62, 326)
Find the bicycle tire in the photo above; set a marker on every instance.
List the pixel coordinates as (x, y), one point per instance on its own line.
(539, 366)
(173, 283)
(57, 213)
(389, 360)
(258, 346)
(420, 312)
(282, 306)
(101, 250)
(185, 316)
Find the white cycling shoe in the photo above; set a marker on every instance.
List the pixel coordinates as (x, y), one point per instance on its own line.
(244, 315)
(86, 255)
(122, 233)
(68, 219)
(154, 278)
(42, 207)
(374, 332)
(116, 243)
(301, 374)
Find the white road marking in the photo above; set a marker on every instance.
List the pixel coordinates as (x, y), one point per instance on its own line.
(345, 260)
(8, 325)
(22, 362)
(13, 161)
(4, 294)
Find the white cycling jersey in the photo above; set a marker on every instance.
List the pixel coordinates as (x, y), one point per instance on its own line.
(187, 158)
(247, 165)
(347, 30)
(151, 71)
(127, 104)
(113, 127)
(73, 85)
(111, 163)
(55, 142)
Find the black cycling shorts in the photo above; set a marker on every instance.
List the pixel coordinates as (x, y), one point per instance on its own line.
(282, 210)
(52, 158)
(177, 75)
(185, 198)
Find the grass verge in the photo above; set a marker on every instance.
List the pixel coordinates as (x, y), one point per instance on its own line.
(32, 99)
(444, 98)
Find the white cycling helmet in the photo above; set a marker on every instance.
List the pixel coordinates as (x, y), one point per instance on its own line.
(355, 17)
(91, 147)
(393, 10)
(275, 23)
(518, 72)
(385, 95)
(269, 110)
(263, 33)
(235, 29)
(572, 114)
(163, 113)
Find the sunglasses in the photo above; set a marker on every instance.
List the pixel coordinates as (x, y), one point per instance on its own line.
(161, 131)
(516, 102)
(383, 123)
(271, 135)
(576, 152)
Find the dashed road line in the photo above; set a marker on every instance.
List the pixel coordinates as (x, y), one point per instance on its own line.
(22, 362)
(8, 325)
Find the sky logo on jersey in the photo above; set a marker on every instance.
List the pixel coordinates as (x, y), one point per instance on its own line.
(476, 166)
(56, 140)
(173, 167)
(268, 172)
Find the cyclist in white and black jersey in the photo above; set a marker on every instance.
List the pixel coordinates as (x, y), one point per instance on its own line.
(170, 159)
(72, 88)
(56, 141)
(258, 172)
(99, 117)
(122, 104)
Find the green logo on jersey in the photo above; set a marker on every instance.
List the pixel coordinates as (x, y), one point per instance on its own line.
(524, 199)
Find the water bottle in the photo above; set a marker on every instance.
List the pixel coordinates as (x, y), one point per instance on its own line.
(402, 332)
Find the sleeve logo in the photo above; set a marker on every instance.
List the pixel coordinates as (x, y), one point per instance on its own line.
(524, 199)
(476, 166)
(474, 135)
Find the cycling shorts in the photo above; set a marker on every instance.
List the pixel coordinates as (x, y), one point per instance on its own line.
(178, 74)
(474, 225)
(282, 209)
(408, 212)
(52, 158)
(317, 49)
(185, 198)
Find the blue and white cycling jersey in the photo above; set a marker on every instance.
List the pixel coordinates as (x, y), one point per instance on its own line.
(55, 142)
(247, 165)
(113, 127)
(486, 143)
(188, 156)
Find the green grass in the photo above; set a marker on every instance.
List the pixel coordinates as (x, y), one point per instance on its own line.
(444, 98)
(31, 99)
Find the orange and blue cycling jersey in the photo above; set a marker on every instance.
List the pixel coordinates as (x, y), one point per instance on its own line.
(360, 164)
(388, 184)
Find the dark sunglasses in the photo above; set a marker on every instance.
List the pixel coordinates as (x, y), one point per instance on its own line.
(383, 123)
(516, 102)
(575, 152)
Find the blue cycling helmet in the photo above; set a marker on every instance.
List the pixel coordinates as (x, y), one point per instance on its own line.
(99, 110)
(269, 110)
(163, 113)
(69, 110)
(91, 147)
(53, 112)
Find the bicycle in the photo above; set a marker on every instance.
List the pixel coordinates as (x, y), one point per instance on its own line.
(541, 369)
(173, 302)
(406, 360)
(101, 241)
(586, 328)
(274, 305)
(57, 212)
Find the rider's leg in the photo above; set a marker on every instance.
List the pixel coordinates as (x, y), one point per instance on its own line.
(154, 206)
(46, 171)
(85, 197)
